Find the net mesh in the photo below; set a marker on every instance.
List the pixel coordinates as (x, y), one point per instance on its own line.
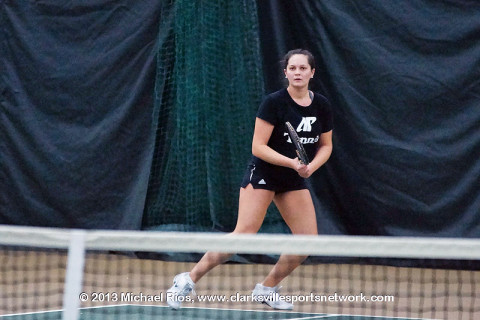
(117, 284)
(208, 87)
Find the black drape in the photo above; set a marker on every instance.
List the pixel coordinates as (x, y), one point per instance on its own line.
(77, 118)
(76, 111)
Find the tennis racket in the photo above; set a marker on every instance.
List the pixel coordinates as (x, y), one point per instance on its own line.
(302, 155)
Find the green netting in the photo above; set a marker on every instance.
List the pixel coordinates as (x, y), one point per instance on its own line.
(209, 86)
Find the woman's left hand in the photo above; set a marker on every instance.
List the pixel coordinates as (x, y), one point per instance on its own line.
(302, 169)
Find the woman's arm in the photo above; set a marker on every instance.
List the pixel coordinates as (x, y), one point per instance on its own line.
(260, 149)
(325, 147)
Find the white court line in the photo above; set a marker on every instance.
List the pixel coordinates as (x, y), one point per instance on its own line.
(310, 316)
(360, 315)
(28, 313)
(314, 317)
(166, 307)
(60, 310)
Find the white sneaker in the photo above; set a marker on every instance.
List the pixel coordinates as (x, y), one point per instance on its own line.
(182, 286)
(270, 296)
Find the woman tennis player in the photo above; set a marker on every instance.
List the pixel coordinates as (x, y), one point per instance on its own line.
(275, 174)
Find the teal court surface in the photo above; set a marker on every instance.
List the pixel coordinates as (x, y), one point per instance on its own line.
(137, 312)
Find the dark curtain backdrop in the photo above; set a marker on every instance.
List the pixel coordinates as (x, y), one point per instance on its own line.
(78, 122)
(404, 81)
(76, 125)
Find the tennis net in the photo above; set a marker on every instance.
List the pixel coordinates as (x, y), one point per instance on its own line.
(78, 274)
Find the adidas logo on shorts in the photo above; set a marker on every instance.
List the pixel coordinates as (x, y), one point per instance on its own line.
(262, 182)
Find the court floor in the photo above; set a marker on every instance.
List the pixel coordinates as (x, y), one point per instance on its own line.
(141, 312)
(418, 293)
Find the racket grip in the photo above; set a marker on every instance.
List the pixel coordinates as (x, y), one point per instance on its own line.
(299, 158)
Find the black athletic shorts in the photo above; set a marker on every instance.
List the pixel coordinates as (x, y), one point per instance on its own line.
(271, 177)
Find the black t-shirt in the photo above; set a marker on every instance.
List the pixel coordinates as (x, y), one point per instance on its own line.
(309, 122)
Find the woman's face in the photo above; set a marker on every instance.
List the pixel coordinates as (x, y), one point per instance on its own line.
(298, 71)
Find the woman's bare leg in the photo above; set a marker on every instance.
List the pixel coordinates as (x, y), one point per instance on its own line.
(296, 208)
(252, 207)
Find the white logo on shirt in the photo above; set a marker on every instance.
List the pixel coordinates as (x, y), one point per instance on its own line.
(306, 124)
